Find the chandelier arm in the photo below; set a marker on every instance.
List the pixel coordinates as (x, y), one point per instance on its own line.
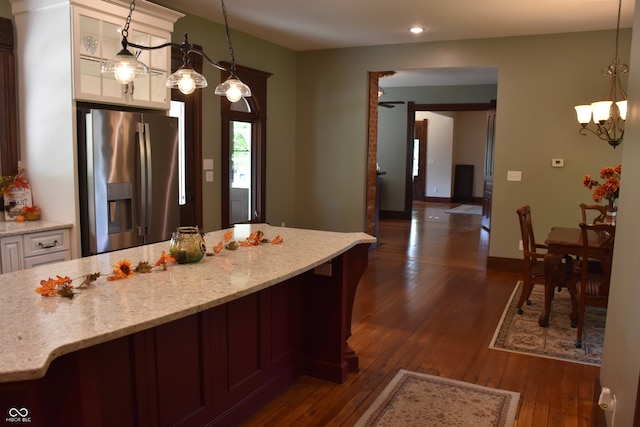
(138, 46)
(188, 51)
(603, 134)
(209, 60)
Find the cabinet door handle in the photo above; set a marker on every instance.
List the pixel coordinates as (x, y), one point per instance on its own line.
(48, 245)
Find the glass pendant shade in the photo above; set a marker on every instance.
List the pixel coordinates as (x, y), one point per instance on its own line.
(601, 111)
(233, 89)
(584, 113)
(124, 67)
(622, 107)
(186, 80)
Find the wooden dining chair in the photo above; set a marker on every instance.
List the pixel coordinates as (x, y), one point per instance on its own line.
(593, 214)
(593, 283)
(533, 254)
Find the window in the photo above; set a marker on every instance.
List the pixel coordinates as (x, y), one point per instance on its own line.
(177, 110)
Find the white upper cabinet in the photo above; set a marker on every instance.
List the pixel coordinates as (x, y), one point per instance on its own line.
(97, 38)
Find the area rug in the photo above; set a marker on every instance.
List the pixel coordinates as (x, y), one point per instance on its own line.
(522, 334)
(466, 209)
(413, 399)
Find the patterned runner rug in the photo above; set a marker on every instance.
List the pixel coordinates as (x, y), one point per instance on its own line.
(413, 399)
(522, 334)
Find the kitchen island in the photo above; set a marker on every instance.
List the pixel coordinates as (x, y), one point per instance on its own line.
(198, 343)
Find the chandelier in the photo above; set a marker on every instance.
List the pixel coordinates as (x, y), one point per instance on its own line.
(125, 66)
(610, 114)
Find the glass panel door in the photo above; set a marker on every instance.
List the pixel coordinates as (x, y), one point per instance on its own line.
(240, 188)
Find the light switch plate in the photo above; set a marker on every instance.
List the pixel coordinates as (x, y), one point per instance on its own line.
(514, 175)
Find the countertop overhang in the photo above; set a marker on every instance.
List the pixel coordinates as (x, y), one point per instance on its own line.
(16, 228)
(37, 329)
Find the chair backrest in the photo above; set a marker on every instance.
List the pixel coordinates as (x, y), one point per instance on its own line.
(605, 234)
(599, 211)
(526, 229)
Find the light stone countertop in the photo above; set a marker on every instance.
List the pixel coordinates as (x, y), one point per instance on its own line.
(35, 330)
(14, 228)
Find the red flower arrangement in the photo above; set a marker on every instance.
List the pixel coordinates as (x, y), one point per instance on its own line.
(609, 189)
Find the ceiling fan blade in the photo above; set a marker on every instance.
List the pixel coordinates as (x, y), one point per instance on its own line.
(389, 104)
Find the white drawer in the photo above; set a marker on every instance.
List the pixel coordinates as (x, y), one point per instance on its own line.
(46, 242)
(47, 259)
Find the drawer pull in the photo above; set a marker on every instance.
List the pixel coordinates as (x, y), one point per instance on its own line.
(48, 245)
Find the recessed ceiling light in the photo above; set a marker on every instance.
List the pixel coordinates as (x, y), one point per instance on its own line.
(416, 29)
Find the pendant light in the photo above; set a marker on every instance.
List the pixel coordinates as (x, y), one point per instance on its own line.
(608, 115)
(125, 66)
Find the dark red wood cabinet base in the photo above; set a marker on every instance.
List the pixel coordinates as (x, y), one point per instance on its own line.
(210, 368)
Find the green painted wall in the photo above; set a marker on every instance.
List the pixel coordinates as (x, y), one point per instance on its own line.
(540, 79)
(5, 9)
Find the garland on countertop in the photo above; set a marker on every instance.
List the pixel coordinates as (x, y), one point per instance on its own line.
(62, 285)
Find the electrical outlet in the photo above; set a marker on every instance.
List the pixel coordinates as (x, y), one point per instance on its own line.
(520, 247)
(607, 403)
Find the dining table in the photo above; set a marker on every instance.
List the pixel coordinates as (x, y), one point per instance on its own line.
(563, 243)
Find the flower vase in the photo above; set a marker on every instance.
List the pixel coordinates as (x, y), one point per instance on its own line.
(612, 213)
(187, 245)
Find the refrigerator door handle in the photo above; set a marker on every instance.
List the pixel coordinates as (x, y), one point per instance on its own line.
(142, 149)
(149, 180)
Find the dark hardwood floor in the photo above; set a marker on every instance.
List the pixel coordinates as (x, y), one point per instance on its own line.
(427, 303)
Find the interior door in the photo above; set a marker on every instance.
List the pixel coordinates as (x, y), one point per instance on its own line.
(487, 193)
(420, 160)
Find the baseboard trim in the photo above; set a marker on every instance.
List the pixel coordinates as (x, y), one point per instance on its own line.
(473, 201)
(438, 199)
(395, 215)
(510, 265)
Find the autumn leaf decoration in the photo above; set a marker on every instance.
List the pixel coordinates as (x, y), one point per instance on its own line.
(8, 183)
(59, 286)
(254, 239)
(164, 260)
(123, 269)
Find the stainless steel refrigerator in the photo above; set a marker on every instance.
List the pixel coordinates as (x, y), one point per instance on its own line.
(128, 168)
